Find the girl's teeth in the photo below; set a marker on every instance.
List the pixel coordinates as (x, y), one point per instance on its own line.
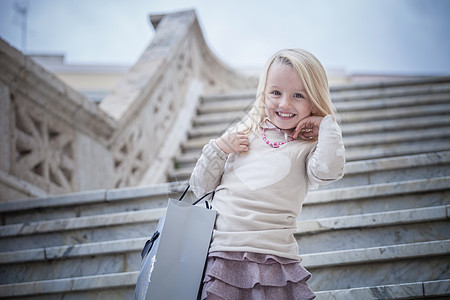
(285, 115)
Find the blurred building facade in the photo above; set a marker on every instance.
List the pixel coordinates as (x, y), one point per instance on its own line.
(92, 81)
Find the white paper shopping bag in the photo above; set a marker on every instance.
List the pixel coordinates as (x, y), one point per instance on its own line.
(173, 268)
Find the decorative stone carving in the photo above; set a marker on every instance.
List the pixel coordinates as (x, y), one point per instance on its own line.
(137, 145)
(44, 121)
(129, 158)
(43, 147)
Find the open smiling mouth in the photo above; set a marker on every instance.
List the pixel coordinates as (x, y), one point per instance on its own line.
(284, 115)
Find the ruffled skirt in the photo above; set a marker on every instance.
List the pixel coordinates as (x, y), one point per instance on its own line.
(245, 275)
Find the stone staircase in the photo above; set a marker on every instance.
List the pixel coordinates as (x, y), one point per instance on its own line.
(380, 233)
(378, 120)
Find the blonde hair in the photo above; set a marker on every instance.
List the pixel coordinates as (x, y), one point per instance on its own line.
(312, 75)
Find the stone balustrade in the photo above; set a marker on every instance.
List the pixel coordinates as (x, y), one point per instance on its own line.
(53, 140)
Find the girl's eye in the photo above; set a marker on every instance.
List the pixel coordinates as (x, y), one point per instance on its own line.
(277, 93)
(298, 95)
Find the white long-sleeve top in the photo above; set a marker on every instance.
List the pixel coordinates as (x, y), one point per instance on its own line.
(260, 193)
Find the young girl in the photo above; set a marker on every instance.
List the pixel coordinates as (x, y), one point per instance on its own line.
(261, 171)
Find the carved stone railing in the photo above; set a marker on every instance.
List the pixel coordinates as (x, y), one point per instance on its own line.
(53, 140)
(47, 132)
(148, 101)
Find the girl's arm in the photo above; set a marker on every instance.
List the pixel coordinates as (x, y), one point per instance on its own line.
(210, 166)
(326, 163)
(209, 169)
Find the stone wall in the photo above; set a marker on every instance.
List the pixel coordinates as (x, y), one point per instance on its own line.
(53, 140)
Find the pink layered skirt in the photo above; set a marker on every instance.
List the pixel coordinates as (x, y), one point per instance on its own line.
(245, 275)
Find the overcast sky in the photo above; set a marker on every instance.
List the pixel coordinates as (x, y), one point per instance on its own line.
(359, 36)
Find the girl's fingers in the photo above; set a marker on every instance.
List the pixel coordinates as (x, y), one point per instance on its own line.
(307, 128)
(243, 148)
(301, 127)
(301, 132)
(308, 135)
(296, 131)
(244, 139)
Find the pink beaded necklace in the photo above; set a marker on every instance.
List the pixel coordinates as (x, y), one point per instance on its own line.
(275, 145)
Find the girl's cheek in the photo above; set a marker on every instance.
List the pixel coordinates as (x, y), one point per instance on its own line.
(270, 103)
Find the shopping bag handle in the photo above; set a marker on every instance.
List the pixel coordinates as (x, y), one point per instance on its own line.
(212, 193)
(149, 244)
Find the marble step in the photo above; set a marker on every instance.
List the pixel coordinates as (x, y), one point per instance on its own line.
(230, 117)
(384, 234)
(392, 169)
(395, 113)
(397, 264)
(376, 219)
(104, 289)
(389, 89)
(375, 198)
(398, 149)
(373, 229)
(376, 254)
(222, 97)
(117, 256)
(319, 204)
(90, 203)
(376, 203)
(72, 231)
(392, 102)
(436, 289)
(105, 220)
(419, 122)
(226, 105)
(244, 104)
(124, 255)
(64, 252)
(103, 286)
(388, 138)
(360, 261)
(211, 131)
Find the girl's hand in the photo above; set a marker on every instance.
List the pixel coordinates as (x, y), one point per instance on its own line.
(233, 142)
(308, 128)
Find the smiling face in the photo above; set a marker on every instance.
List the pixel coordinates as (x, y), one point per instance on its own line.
(286, 101)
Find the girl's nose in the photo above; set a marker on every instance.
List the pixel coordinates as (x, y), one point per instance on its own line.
(284, 102)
